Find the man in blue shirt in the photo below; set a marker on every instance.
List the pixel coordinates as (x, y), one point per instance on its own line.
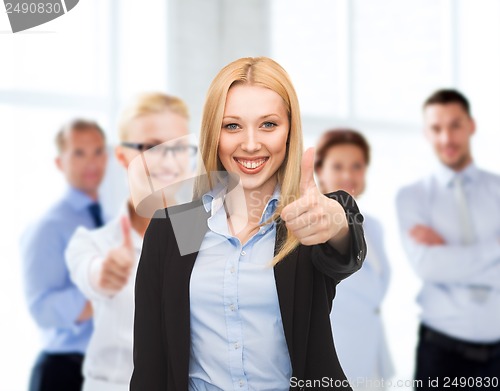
(61, 312)
(450, 223)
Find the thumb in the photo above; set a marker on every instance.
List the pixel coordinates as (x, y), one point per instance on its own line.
(307, 171)
(126, 234)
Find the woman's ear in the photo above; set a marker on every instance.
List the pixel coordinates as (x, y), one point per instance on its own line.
(120, 156)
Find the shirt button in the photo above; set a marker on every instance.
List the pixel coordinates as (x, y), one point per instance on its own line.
(236, 345)
(232, 269)
(243, 253)
(241, 383)
(232, 307)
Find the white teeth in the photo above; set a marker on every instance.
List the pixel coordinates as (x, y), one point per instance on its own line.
(251, 164)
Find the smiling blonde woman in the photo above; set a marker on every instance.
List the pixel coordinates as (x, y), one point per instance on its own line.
(249, 308)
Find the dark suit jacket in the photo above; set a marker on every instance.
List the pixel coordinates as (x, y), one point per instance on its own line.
(305, 283)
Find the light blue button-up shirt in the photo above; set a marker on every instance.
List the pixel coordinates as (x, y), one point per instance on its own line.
(53, 300)
(460, 295)
(237, 336)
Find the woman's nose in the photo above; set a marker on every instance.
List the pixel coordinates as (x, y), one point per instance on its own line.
(250, 142)
(346, 175)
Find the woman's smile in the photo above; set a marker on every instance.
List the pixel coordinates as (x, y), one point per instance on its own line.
(251, 165)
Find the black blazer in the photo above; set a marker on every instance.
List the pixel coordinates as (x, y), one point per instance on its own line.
(305, 283)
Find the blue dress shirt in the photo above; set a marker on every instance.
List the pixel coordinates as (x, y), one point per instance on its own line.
(460, 295)
(53, 300)
(237, 337)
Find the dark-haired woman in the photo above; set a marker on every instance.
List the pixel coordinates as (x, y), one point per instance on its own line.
(342, 158)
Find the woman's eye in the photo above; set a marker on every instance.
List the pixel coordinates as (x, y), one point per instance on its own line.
(231, 126)
(269, 125)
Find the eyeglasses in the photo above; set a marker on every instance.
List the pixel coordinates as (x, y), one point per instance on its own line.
(160, 149)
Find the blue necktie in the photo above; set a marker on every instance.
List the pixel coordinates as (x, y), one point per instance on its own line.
(96, 213)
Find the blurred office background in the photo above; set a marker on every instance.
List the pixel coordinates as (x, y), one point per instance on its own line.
(368, 64)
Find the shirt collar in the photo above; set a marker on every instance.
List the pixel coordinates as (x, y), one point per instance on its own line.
(446, 175)
(213, 200)
(271, 205)
(78, 199)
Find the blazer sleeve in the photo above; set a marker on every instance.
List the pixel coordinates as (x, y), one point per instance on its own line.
(150, 361)
(331, 262)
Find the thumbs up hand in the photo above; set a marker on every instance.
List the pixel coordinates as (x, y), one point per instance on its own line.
(315, 218)
(115, 269)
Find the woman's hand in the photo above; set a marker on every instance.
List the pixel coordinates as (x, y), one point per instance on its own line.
(315, 218)
(111, 274)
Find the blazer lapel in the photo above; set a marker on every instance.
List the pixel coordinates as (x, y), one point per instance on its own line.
(284, 274)
(186, 225)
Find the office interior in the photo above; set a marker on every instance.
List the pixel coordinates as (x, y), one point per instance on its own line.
(364, 64)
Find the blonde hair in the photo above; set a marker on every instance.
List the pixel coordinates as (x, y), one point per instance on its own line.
(263, 72)
(150, 103)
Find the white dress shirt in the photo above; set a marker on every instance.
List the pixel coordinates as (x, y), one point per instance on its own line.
(356, 322)
(460, 295)
(108, 361)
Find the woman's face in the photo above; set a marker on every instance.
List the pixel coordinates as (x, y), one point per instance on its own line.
(253, 137)
(159, 166)
(344, 168)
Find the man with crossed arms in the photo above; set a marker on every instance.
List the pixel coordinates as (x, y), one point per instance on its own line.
(450, 226)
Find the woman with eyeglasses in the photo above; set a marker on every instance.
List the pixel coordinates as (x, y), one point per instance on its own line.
(341, 162)
(234, 289)
(103, 262)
